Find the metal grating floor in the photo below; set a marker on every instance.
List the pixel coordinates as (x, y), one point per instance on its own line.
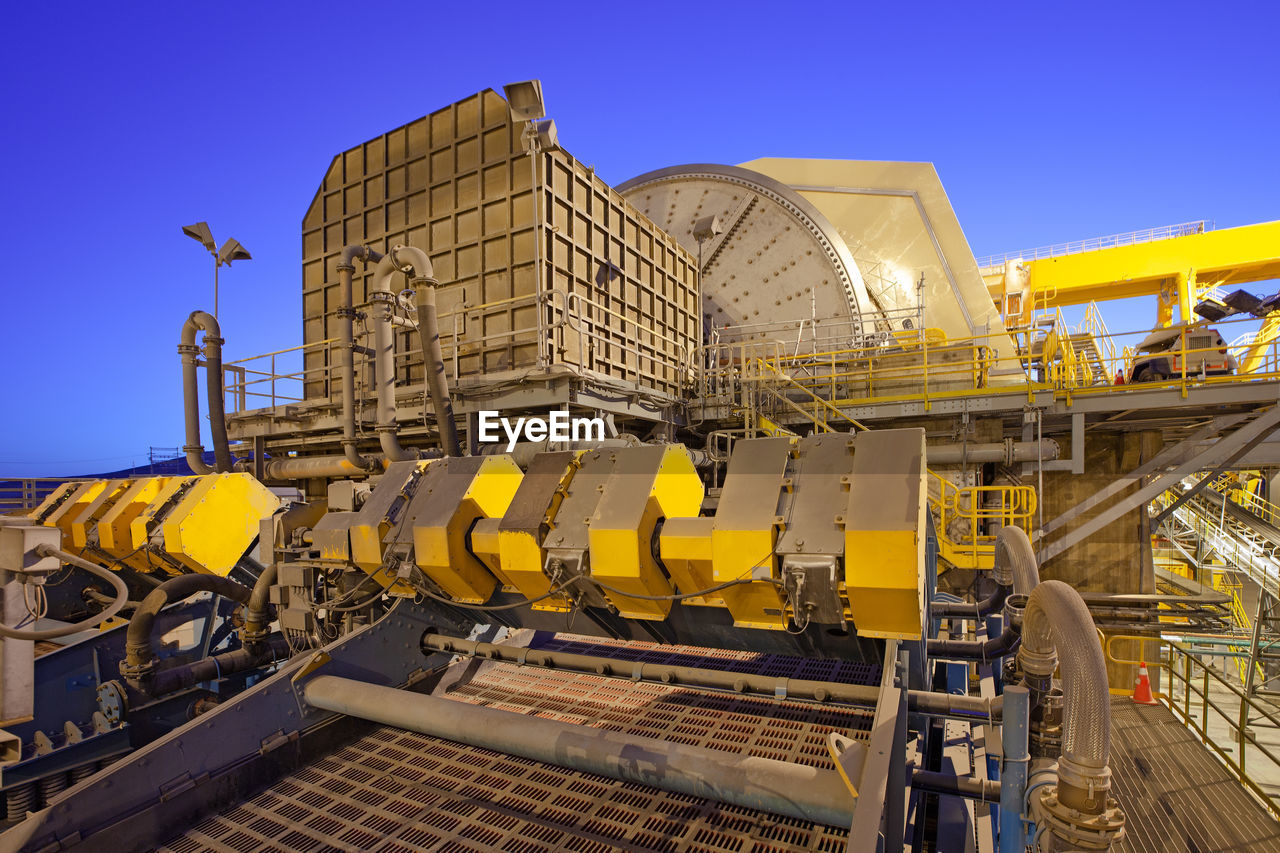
(1176, 794)
(400, 792)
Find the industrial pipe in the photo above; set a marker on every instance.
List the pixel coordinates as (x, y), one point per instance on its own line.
(1013, 570)
(201, 321)
(140, 658)
(977, 650)
(919, 701)
(1058, 631)
(257, 617)
(778, 787)
(433, 365)
(303, 467)
(422, 278)
(346, 354)
(1013, 771)
(1007, 452)
(933, 782)
(122, 597)
(170, 680)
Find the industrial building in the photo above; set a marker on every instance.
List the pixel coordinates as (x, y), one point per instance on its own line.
(729, 508)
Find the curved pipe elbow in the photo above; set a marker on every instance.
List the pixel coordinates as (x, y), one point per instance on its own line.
(1014, 570)
(351, 254)
(196, 322)
(140, 657)
(398, 260)
(1057, 631)
(258, 610)
(976, 650)
(1015, 560)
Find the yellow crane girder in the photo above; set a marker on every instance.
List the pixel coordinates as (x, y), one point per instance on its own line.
(1175, 269)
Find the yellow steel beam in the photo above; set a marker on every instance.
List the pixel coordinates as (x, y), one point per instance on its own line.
(1224, 258)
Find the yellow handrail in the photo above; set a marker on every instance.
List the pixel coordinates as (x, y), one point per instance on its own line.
(969, 519)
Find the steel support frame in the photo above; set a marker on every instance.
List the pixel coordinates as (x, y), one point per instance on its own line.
(243, 743)
(1213, 455)
(879, 817)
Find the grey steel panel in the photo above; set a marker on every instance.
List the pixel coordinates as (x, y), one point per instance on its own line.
(819, 474)
(756, 469)
(458, 184)
(533, 497)
(778, 258)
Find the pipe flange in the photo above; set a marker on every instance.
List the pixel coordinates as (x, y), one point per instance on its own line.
(1015, 608)
(424, 281)
(138, 674)
(1079, 830)
(1037, 663)
(382, 296)
(253, 638)
(188, 349)
(213, 339)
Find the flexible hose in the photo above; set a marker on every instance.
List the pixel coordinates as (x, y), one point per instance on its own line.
(257, 613)
(1014, 569)
(1013, 549)
(140, 657)
(122, 597)
(1057, 630)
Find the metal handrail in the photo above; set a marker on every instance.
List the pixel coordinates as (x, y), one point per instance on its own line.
(1146, 235)
(980, 517)
(24, 493)
(926, 369)
(1179, 662)
(564, 322)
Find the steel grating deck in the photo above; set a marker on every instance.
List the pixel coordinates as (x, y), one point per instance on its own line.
(399, 792)
(1176, 794)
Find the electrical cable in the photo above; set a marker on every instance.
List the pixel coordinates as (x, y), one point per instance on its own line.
(122, 598)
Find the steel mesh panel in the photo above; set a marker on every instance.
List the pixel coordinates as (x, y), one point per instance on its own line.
(401, 791)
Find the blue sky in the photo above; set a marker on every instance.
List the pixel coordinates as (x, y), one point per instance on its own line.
(124, 122)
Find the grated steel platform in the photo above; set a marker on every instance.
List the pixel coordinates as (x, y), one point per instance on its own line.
(1176, 794)
(400, 792)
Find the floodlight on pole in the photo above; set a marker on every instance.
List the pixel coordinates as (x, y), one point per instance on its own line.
(200, 232)
(231, 251)
(525, 100)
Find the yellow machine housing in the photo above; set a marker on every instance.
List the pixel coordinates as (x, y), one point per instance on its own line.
(216, 521)
(114, 536)
(457, 492)
(178, 524)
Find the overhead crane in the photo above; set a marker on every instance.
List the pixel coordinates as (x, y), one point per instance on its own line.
(1176, 269)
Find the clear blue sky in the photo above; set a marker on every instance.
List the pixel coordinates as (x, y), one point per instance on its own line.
(123, 122)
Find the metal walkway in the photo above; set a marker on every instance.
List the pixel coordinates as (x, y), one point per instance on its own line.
(399, 792)
(1177, 796)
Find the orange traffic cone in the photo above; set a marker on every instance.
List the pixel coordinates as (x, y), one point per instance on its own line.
(1142, 691)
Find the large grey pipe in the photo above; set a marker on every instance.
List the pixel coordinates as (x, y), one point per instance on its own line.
(1007, 452)
(778, 787)
(346, 354)
(1057, 630)
(202, 321)
(414, 263)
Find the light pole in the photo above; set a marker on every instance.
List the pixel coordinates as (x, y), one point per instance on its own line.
(231, 251)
